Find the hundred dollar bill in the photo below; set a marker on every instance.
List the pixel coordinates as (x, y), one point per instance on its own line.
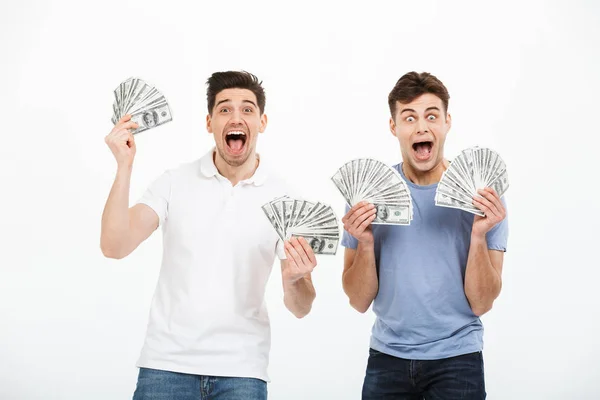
(319, 244)
(392, 215)
(500, 183)
(443, 200)
(151, 118)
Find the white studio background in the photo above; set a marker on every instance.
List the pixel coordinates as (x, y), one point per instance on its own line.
(523, 79)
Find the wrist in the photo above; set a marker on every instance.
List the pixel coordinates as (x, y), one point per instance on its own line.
(367, 244)
(478, 237)
(124, 169)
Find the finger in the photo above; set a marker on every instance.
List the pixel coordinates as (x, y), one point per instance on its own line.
(358, 205)
(492, 191)
(488, 199)
(479, 206)
(127, 125)
(484, 205)
(492, 196)
(359, 221)
(124, 118)
(366, 223)
(293, 254)
(488, 194)
(359, 212)
(304, 262)
(351, 213)
(291, 263)
(310, 254)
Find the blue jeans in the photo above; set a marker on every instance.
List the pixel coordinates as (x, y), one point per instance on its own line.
(453, 378)
(154, 384)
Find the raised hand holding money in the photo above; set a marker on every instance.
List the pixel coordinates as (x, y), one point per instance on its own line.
(357, 221)
(490, 204)
(121, 142)
(315, 222)
(145, 104)
(379, 184)
(473, 170)
(301, 259)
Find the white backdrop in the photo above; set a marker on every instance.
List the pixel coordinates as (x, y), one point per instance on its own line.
(523, 80)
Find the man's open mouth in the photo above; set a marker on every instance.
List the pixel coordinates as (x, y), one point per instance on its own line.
(235, 141)
(422, 149)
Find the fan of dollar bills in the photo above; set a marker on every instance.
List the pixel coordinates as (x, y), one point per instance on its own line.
(365, 179)
(146, 105)
(474, 168)
(315, 222)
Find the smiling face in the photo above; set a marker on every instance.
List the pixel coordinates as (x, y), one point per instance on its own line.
(421, 127)
(235, 121)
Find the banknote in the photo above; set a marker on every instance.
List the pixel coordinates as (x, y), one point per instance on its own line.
(373, 181)
(316, 222)
(147, 106)
(473, 169)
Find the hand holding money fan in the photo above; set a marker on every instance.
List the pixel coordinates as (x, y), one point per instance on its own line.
(370, 180)
(474, 168)
(315, 222)
(146, 105)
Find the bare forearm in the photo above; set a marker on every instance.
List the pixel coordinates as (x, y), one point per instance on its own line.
(482, 281)
(115, 218)
(360, 280)
(299, 296)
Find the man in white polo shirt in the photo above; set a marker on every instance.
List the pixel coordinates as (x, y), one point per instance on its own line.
(208, 333)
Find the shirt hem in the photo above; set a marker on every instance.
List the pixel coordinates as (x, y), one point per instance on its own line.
(204, 370)
(376, 344)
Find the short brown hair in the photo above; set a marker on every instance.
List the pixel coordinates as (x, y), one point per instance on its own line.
(234, 79)
(412, 85)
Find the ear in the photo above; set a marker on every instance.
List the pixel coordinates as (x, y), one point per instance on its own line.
(392, 126)
(263, 123)
(208, 124)
(449, 121)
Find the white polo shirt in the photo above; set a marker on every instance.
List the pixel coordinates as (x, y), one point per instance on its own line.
(208, 315)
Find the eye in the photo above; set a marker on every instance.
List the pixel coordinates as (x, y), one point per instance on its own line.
(431, 117)
(248, 110)
(224, 110)
(410, 119)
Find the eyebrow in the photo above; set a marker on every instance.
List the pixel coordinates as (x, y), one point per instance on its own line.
(243, 101)
(427, 109)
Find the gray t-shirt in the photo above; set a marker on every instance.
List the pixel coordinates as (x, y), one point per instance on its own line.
(421, 307)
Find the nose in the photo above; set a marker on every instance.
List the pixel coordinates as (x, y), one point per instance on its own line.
(422, 126)
(236, 117)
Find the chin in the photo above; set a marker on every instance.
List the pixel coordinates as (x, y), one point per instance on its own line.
(424, 166)
(234, 160)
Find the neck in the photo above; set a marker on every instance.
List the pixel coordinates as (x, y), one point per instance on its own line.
(424, 178)
(236, 173)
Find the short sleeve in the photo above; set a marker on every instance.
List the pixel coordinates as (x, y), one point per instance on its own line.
(157, 196)
(497, 237)
(348, 240)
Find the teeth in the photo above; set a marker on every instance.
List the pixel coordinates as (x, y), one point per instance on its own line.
(237, 133)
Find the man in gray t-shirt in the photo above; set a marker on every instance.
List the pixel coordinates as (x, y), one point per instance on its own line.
(430, 281)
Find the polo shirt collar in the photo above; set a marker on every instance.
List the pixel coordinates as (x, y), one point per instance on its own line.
(209, 169)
